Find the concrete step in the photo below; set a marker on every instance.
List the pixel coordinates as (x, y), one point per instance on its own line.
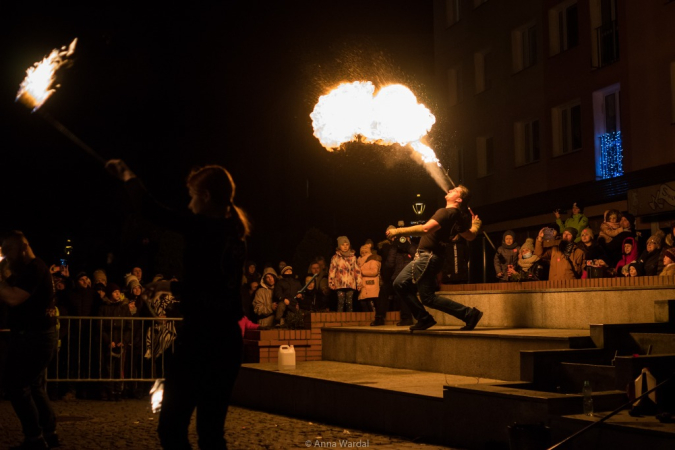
(618, 432)
(482, 353)
(566, 308)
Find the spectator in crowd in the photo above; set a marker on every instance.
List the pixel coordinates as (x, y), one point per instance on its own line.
(397, 252)
(668, 242)
(99, 277)
(635, 270)
(566, 259)
(668, 263)
(629, 254)
(610, 227)
(594, 254)
(138, 273)
(26, 287)
(577, 220)
(369, 266)
(648, 261)
(287, 296)
(456, 262)
(247, 294)
(344, 275)
(615, 248)
(161, 335)
(321, 282)
(281, 266)
(251, 273)
(529, 266)
(116, 340)
(137, 308)
(506, 258)
(264, 305)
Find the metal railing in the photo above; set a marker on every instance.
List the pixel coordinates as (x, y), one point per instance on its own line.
(112, 348)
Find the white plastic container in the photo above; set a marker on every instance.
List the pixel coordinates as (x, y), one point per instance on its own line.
(286, 357)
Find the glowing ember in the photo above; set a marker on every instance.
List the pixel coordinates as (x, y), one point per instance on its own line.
(351, 112)
(36, 88)
(157, 395)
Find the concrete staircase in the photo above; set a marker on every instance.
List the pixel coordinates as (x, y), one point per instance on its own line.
(524, 364)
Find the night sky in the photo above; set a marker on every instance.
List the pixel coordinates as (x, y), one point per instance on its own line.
(229, 83)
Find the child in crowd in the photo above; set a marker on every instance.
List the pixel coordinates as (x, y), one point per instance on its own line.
(629, 254)
(528, 263)
(369, 265)
(116, 339)
(344, 275)
(669, 263)
(610, 227)
(506, 258)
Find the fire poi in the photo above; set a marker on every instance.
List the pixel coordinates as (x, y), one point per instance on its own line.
(37, 87)
(351, 112)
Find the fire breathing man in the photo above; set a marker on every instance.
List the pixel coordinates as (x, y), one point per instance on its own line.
(420, 274)
(28, 290)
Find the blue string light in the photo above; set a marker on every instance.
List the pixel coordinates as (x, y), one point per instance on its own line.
(611, 155)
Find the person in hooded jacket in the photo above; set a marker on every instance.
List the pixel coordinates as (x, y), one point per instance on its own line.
(286, 294)
(506, 257)
(529, 264)
(668, 242)
(630, 254)
(264, 304)
(648, 261)
(344, 275)
(576, 220)
(369, 265)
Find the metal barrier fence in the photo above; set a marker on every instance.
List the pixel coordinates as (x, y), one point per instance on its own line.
(113, 349)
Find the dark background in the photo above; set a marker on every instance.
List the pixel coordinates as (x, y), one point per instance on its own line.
(167, 88)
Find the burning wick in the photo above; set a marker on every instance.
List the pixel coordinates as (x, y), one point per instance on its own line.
(157, 395)
(36, 88)
(351, 112)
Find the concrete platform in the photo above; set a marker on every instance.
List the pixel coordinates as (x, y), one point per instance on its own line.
(492, 353)
(392, 401)
(566, 308)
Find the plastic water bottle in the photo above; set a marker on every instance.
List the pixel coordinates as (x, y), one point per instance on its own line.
(588, 398)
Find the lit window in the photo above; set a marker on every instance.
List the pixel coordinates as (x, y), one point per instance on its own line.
(607, 130)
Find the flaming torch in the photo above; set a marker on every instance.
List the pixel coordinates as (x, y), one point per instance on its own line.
(37, 87)
(351, 112)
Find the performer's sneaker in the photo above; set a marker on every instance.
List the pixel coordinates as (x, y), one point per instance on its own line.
(423, 324)
(473, 319)
(377, 322)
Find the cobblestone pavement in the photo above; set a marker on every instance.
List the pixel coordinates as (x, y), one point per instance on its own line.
(91, 424)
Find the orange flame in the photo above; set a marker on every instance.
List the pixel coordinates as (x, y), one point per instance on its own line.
(352, 112)
(36, 88)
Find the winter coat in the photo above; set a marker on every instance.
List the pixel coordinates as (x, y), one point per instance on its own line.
(650, 262)
(370, 276)
(562, 267)
(507, 255)
(262, 302)
(286, 289)
(668, 271)
(578, 221)
(344, 273)
(117, 331)
(608, 230)
(627, 258)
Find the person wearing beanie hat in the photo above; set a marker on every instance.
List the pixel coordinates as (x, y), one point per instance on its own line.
(566, 259)
(577, 220)
(529, 266)
(668, 263)
(344, 275)
(264, 303)
(287, 298)
(99, 276)
(506, 258)
(594, 254)
(648, 262)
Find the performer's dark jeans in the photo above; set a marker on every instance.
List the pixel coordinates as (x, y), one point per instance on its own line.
(201, 376)
(29, 355)
(423, 270)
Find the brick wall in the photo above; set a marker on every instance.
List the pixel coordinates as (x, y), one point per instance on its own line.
(262, 346)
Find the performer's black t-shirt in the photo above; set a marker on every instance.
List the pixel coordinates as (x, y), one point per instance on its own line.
(37, 313)
(452, 222)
